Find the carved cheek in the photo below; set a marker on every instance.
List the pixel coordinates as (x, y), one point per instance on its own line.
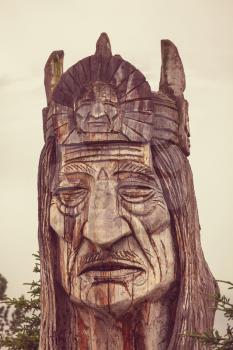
(163, 244)
(66, 226)
(81, 115)
(152, 214)
(111, 112)
(83, 111)
(76, 228)
(56, 218)
(157, 220)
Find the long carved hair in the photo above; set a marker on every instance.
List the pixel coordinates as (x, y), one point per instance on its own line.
(195, 305)
(197, 287)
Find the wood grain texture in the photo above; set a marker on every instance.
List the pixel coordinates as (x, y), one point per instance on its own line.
(122, 266)
(172, 83)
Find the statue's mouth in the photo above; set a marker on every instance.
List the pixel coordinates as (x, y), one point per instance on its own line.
(100, 124)
(111, 269)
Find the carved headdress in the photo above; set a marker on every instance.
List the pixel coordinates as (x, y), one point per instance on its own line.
(141, 114)
(128, 111)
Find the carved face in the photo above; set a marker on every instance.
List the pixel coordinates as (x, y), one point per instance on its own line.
(97, 110)
(114, 241)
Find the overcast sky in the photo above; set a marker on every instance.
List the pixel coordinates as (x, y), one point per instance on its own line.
(30, 30)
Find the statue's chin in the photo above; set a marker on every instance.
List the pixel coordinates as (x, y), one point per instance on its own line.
(108, 298)
(117, 297)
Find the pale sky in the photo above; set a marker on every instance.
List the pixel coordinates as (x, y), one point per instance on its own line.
(30, 30)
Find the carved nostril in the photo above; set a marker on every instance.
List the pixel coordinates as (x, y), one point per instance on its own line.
(99, 116)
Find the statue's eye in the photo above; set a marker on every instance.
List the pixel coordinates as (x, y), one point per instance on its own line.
(73, 196)
(136, 194)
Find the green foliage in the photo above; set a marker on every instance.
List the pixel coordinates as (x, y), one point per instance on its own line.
(3, 286)
(213, 338)
(21, 325)
(4, 309)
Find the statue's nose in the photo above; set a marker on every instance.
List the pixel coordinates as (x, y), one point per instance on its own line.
(104, 226)
(97, 110)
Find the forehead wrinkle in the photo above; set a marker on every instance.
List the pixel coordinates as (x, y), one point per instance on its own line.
(77, 167)
(133, 166)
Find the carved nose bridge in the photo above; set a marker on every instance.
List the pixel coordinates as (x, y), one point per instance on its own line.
(97, 110)
(104, 226)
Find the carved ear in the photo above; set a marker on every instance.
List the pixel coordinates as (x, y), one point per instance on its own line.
(172, 80)
(103, 46)
(52, 72)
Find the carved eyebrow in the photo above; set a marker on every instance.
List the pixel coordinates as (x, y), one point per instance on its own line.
(134, 167)
(77, 167)
(109, 103)
(84, 103)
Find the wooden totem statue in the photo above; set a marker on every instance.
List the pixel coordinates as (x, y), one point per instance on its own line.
(121, 261)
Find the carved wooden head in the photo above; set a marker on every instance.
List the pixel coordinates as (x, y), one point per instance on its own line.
(118, 218)
(113, 224)
(97, 110)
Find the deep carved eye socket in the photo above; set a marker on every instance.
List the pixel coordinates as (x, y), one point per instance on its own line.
(136, 194)
(72, 197)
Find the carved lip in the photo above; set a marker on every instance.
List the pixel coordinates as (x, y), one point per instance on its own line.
(98, 123)
(111, 267)
(99, 120)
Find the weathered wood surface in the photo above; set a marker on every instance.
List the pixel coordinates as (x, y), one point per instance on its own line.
(121, 261)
